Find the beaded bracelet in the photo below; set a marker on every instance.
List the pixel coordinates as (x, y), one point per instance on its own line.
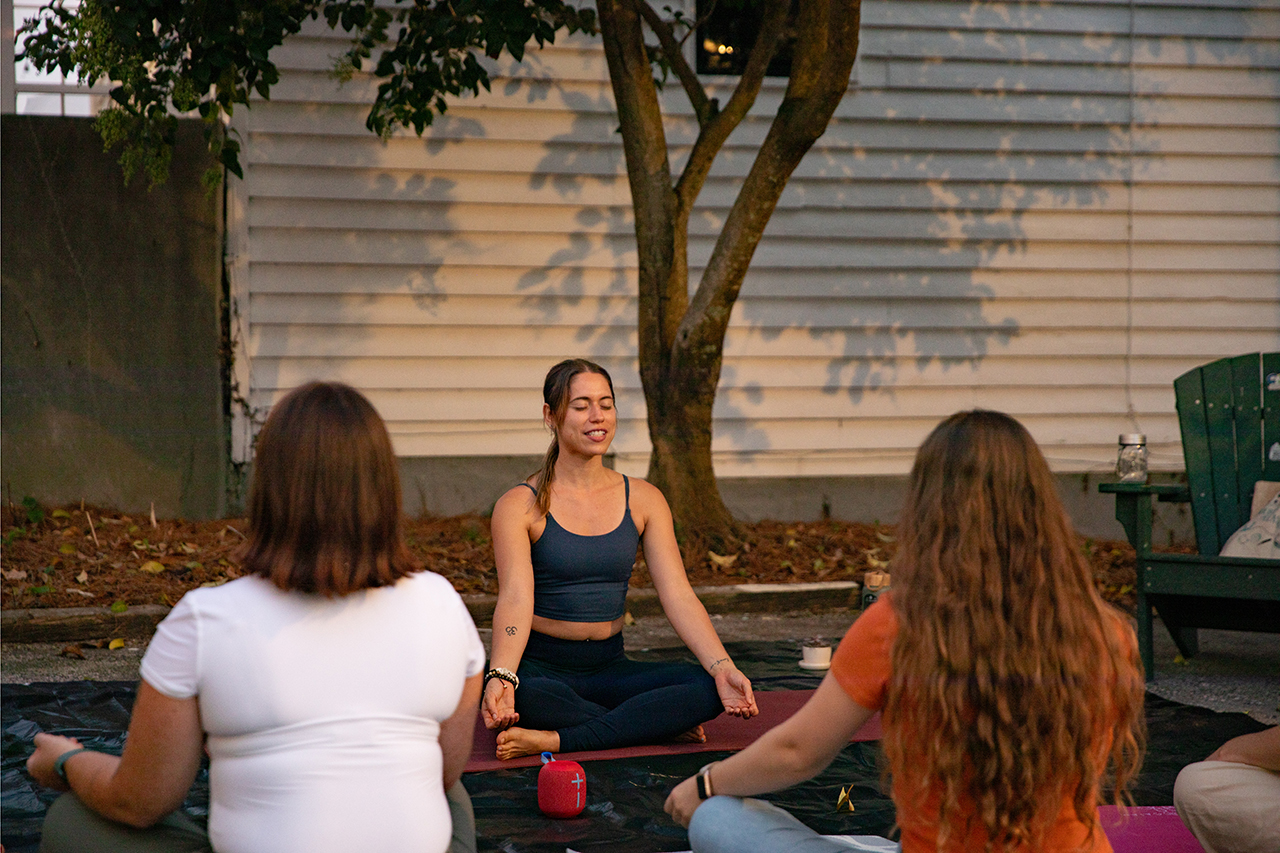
(503, 674)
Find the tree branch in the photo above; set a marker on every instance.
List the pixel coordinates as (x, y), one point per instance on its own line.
(663, 282)
(703, 107)
(827, 45)
(713, 133)
(697, 22)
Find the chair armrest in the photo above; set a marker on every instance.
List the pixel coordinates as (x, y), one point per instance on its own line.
(1133, 507)
(1175, 492)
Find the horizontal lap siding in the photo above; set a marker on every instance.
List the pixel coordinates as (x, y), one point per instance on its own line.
(1049, 209)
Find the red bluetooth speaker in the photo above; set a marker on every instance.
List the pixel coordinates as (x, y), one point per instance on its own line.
(562, 787)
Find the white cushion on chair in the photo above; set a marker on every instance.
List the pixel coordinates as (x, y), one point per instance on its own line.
(1263, 492)
(1258, 537)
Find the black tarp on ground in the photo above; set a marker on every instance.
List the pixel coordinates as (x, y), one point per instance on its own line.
(625, 797)
(95, 712)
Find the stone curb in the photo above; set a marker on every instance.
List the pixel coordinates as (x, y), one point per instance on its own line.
(75, 624)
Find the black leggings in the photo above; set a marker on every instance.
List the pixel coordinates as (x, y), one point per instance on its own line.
(595, 697)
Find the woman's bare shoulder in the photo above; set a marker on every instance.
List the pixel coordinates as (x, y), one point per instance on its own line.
(518, 500)
(642, 489)
(647, 500)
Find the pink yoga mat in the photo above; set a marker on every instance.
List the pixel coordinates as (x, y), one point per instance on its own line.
(1147, 829)
(724, 733)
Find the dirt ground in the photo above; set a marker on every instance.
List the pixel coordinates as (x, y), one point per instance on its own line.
(78, 556)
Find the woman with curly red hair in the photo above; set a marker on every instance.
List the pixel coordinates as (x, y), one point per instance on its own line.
(1009, 689)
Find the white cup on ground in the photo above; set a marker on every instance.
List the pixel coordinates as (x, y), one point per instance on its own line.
(816, 657)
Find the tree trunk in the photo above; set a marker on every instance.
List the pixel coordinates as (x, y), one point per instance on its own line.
(681, 342)
(680, 429)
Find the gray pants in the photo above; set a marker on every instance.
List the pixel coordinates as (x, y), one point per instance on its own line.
(736, 825)
(72, 827)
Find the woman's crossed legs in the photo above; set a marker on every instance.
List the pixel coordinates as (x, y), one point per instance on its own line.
(733, 825)
(616, 703)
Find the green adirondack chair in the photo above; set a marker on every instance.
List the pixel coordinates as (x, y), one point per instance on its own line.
(1229, 413)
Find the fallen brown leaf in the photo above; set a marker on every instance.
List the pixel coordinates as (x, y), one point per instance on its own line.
(722, 561)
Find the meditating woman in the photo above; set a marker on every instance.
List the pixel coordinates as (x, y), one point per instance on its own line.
(336, 683)
(565, 543)
(1008, 686)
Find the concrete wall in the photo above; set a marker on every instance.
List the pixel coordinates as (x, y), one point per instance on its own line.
(110, 325)
(456, 485)
(879, 499)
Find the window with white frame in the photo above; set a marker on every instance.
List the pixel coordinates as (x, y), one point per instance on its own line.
(33, 92)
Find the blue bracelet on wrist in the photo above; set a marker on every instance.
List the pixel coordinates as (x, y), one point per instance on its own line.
(60, 763)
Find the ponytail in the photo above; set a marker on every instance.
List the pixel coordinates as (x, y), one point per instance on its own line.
(548, 473)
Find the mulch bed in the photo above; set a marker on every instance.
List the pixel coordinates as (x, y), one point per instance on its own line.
(80, 556)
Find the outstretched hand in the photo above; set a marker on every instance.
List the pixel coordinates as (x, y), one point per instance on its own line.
(735, 692)
(48, 749)
(498, 710)
(682, 802)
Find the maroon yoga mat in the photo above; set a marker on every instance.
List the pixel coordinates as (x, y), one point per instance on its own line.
(724, 733)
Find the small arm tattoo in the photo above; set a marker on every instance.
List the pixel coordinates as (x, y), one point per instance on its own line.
(511, 630)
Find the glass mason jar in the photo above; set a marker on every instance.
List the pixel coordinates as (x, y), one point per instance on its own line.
(1131, 460)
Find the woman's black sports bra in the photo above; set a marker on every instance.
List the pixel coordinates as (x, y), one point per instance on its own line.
(584, 578)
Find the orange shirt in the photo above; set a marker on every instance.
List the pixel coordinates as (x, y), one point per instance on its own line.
(862, 666)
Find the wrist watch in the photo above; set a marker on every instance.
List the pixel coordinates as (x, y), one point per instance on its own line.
(704, 781)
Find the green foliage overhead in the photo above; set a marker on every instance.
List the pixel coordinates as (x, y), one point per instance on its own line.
(169, 57)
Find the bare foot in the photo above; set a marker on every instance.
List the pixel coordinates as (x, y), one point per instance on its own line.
(515, 742)
(694, 735)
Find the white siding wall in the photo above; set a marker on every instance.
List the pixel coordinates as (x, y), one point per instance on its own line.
(1049, 208)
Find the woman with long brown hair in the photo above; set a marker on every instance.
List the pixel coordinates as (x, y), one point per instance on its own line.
(1009, 689)
(565, 542)
(335, 685)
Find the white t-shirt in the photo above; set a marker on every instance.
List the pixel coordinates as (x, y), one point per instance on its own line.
(323, 715)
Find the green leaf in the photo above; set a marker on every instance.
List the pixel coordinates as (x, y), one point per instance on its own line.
(119, 607)
(35, 513)
(176, 56)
